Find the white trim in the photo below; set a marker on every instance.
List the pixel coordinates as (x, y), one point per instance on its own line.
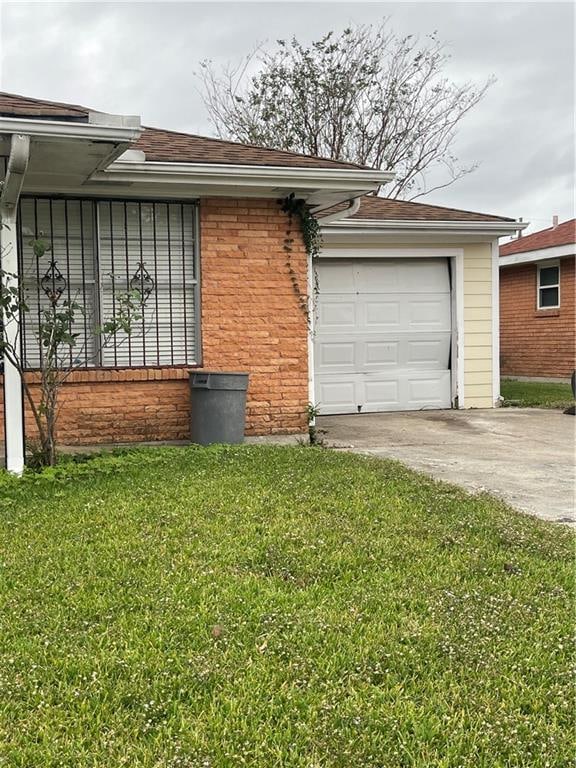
(539, 268)
(540, 254)
(13, 397)
(389, 253)
(59, 129)
(360, 226)
(458, 330)
(354, 180)
(495, 324)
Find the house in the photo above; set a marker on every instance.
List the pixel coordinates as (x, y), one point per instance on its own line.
(537, 320)
(400, 310)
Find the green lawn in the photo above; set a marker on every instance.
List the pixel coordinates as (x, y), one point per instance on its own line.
(536, 394)
(290, 607)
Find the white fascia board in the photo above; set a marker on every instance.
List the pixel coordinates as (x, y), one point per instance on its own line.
(391, 226)
(255, 175)
(386, 252)
(56, 129)
(541, 254)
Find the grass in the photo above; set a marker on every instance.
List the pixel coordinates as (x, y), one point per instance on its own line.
(536, 394)
(290, 607)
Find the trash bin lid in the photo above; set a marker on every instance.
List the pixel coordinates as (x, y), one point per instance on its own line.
(218, 380)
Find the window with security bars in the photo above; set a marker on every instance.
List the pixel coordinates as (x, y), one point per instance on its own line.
(101, 248)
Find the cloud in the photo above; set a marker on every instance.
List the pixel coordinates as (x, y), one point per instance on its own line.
(140, 58)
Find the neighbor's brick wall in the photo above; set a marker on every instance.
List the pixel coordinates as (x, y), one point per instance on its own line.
(536, 342)
(251, 321)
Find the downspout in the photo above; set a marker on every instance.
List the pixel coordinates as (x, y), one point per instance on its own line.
(13, 399)
(353, 208)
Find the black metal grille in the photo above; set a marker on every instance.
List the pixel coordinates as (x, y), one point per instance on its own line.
(99, 248)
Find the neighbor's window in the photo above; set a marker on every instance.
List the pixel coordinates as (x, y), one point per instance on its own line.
(109, 246)
(548, 286)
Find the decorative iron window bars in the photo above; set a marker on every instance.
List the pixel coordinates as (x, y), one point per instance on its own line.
(99, 247)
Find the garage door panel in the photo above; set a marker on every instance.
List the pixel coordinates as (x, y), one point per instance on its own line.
(429, 391)
(354, 389)
(383, 339)
(337, 313)
(369, 276)
(378, 314)
(425, 276)
(361, 354)
(362, 313)
(337, 396)
(337, 354)
(380, 393)
(338, 277)
(432, 352)
(379, 353)
(395, 392)
(433, 313)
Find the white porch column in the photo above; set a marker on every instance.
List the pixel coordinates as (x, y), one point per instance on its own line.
(13, 398)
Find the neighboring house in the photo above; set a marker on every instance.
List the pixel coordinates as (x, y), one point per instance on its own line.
(537, 313)
(406, 315)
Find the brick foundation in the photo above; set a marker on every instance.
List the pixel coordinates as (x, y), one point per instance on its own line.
(251, 321)
(536, 342)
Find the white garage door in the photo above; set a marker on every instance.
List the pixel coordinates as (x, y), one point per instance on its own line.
(383, 332)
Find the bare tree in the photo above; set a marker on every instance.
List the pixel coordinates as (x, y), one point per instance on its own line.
(366, 96)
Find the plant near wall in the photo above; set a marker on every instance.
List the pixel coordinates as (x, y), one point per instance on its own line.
(315, 435)
(311, 233)
(61, 354)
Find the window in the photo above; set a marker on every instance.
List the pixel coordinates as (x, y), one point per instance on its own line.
(99, 248)
(548, 285)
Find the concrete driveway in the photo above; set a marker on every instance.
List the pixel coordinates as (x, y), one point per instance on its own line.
(525, 456)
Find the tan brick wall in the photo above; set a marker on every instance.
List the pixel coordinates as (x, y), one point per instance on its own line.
(251, 321)
(536, 342)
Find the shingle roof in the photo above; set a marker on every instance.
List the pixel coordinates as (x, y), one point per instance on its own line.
(563, 234)
(172, 146)
(374, 208)
(13, 105)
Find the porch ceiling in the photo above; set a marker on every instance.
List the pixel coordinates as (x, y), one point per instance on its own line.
(59, 164)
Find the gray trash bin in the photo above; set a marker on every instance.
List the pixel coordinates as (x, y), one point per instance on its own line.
(218, 407)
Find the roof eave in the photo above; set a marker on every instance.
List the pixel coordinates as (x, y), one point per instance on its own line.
(130, 171)
(399, 226)
(538, 254)
(116, 130)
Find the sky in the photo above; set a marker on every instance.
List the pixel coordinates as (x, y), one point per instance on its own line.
(142, 58)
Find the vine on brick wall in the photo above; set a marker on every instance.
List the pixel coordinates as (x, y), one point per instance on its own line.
(312, 237)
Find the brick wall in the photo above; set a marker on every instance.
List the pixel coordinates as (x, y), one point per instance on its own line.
(251, 321)
(536, 342)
